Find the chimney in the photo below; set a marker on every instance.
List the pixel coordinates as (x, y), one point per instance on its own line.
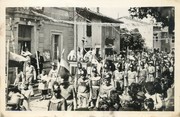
(97, 9)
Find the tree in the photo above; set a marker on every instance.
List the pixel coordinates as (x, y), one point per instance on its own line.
(161, 14)
(132, 40)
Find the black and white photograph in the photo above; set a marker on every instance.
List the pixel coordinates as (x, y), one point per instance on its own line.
(90, 59)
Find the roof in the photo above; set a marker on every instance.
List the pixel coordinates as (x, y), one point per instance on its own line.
(90, 14)
(134, 20)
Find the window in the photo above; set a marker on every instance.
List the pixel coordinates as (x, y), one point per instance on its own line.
(88, 30)
(55, 48)
(24, 38)
(156, 38)
(24, 44)
(24, 32)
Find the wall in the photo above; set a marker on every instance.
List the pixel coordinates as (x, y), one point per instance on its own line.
(41, 34)
(59, 13)
(66, 33)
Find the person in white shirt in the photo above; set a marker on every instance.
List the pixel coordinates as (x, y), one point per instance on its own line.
(43, 86)
(30, 73)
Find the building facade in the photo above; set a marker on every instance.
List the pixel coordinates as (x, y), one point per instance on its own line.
(156, 37)
(162, 40)
(37, 30)
(97, 32)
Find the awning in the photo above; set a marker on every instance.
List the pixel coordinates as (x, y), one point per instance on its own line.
(16, 57)
(16, 60)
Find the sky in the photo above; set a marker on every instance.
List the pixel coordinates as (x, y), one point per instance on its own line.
(113, 12)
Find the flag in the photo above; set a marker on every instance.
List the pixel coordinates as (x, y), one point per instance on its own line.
(64, 64)
(64, 69)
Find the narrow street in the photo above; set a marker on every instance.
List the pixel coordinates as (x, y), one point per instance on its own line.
(105, 63)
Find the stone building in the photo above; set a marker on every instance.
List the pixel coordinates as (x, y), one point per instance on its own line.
(40, 29)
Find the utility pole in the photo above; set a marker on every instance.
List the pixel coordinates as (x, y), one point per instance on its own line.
(75, 31)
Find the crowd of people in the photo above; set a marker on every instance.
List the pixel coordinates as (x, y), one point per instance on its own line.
(137, 81)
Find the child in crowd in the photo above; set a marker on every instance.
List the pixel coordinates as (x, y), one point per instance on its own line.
(43, 86)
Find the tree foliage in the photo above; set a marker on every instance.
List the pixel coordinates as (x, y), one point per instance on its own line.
(161, 14)
(132, 40)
